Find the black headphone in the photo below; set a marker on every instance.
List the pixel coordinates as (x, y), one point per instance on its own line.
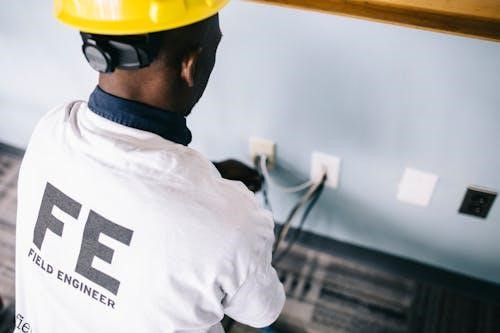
(106, 53)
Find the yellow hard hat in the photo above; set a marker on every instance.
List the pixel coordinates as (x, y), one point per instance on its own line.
(130, 17)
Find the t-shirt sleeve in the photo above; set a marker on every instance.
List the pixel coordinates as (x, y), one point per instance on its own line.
(260, 297)
(259, 300)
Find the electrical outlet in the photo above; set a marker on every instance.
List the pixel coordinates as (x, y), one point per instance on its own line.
(477, 201)
(261, 146)
(321, 162)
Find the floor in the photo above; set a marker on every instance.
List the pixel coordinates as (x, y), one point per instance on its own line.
(334, 293)
(9, 166)
(331, 286)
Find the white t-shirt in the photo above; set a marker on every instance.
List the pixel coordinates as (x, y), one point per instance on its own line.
(120, 230)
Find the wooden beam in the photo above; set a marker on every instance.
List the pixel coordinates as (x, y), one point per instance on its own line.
(472, 18)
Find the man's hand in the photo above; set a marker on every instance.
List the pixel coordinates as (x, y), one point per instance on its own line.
(235, 170)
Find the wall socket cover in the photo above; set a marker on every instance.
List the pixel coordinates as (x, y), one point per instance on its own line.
(260, 146)
(321, 162)
(416, 187)
(478, 201)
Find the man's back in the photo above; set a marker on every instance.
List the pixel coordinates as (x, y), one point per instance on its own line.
(120, 230)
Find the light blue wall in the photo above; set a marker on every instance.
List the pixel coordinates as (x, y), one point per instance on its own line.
(379, 96)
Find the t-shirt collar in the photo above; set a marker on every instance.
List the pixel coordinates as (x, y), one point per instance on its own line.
(169, 125)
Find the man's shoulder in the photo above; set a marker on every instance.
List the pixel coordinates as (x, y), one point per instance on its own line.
(55, 114)
(231, 200)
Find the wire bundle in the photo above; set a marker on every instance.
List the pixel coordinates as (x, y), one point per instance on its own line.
(262, 161)
(307, 201)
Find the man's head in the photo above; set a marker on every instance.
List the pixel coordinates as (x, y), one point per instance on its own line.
(178, 64)
(157, 52)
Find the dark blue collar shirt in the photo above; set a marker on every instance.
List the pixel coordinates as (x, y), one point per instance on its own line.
(169, 125)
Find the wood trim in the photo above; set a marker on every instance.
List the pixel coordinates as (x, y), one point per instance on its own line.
(462, 17)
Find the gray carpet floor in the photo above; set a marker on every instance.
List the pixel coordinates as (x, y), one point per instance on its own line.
(9, 166)
(328, 293)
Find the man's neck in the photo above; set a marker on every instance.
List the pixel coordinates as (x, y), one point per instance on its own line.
(136, 87)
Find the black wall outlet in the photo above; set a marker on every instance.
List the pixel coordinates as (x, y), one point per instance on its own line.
(477, 201)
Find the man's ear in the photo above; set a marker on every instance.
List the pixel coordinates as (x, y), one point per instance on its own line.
(188, 66)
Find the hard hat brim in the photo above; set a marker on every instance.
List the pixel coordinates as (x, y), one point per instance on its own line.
(152, 22)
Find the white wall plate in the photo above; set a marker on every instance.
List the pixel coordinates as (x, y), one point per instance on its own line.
(321, 162)
(416, 187)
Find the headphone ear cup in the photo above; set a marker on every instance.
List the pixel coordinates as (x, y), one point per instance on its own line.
(98, 58)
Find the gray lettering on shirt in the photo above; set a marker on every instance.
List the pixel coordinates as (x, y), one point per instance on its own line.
(96, 224)
(53, 197)
(90, 246)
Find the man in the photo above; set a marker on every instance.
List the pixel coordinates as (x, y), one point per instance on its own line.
(121, 227)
